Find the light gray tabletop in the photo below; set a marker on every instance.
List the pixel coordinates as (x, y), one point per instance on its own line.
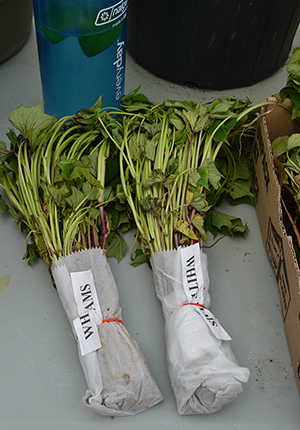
(41, 381)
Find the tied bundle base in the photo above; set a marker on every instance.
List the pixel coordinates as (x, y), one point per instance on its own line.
(118, 378)
(203, 370)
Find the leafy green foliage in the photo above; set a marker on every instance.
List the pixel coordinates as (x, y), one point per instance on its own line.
(199, 155)
(62, 180)
(292, 88)
(286, 151)
(84, 180)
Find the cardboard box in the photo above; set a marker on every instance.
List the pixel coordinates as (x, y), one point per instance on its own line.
(279, 247)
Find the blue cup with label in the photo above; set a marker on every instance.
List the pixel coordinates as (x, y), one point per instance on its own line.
(81, 48)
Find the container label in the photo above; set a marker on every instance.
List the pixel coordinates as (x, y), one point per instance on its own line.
(120, 72)
(112, 13)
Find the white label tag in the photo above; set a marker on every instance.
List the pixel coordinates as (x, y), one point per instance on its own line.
(85, 293)
(191, 272)
(87, 332)
(213, 323)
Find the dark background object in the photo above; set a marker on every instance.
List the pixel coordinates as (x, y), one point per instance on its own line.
(15, 26)
(215, 44)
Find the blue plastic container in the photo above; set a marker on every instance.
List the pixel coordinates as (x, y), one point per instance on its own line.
(81, 46)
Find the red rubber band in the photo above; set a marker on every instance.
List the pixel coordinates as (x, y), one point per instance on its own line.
(195, 304)
(112, 320)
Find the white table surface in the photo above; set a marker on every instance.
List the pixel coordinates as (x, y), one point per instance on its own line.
(41, 382)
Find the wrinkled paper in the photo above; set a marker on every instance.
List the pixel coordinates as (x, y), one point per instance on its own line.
(203, 370)
(118, 379)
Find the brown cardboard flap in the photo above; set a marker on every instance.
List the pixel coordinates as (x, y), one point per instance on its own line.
(279, 246)
(278, 121)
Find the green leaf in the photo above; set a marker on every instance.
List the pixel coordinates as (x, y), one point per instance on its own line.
(109, 194)
(180, 138)
(4, 283)
(240, 189)
(197, 117)
(220, 109)
(280, 145)
(116, 246)
(172, 165)
(139, 258)
(31, 254)
(90, 178)
(134, 148)
(293, 65)
(156, 177)
(296, 110)
(151, 204)
(281, 173)
(90, 116)
(239, 229)
(183, 228)
(76, 198)
(199, 203)
(218, 222)
(193, 178)
(148, 146)
(152, 128)
(214, 175)
(134, 100)
(204, 177)
(176, 121)
(3, 206)
(180, 104)
(30, 121)
(90, 192)
(295, 157)
(121, 194)
(4, 152)
(220, 129)
(293, 141)
(198, 223)
(243, 169)
(294, 95)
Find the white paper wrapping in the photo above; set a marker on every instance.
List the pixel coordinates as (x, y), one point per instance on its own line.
(203, 370)
(118, 379)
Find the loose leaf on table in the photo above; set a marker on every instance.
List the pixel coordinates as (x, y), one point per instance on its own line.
(4, 283)
(219, 223)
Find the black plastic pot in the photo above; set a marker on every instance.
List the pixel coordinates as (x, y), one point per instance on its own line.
(216, 44)
(15, 26)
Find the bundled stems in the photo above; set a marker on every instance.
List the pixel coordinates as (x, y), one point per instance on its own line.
(177, 162)
(54, 176)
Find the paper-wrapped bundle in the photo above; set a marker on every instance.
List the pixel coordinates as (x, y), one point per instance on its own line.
(118, 379)
(203, 370)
